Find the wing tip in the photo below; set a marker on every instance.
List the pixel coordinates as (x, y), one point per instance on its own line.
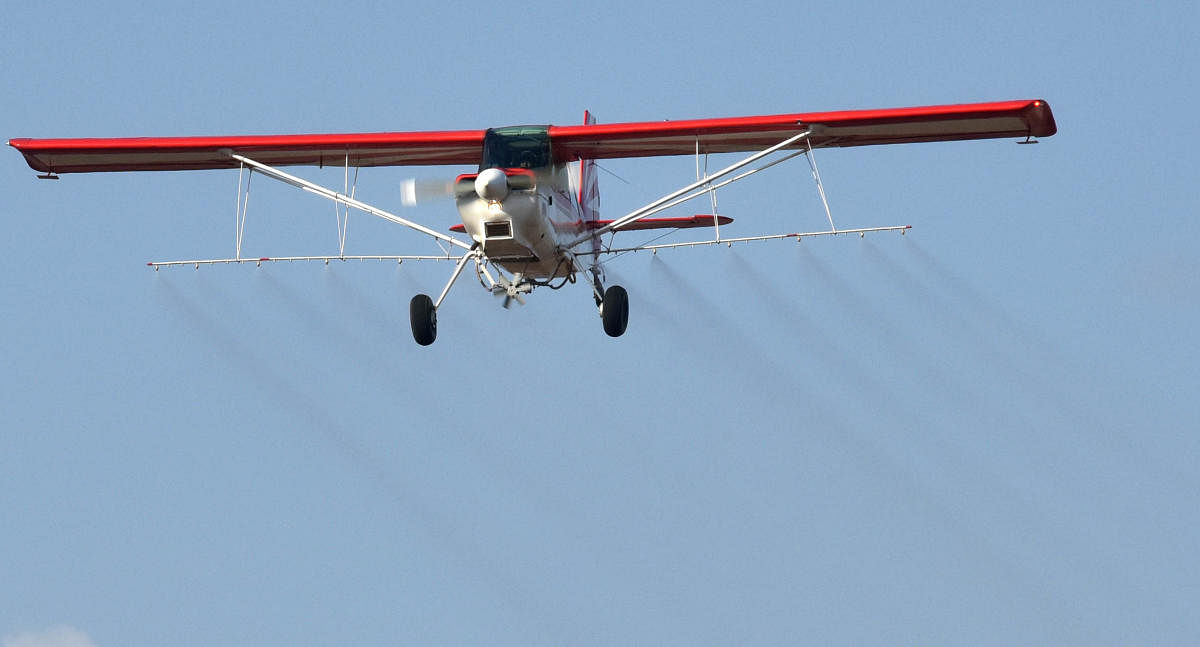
(1041, 119)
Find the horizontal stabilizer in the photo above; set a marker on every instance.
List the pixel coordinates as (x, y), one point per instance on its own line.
(648, 223)
(666, 223)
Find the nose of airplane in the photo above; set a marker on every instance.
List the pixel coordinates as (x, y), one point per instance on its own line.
(491, 185)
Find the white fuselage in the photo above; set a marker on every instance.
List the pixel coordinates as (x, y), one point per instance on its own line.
(528, 229)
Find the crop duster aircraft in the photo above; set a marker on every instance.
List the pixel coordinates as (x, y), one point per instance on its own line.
(529, 212)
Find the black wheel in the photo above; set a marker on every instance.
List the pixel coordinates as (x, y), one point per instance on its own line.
(614, 310)
(423, 317)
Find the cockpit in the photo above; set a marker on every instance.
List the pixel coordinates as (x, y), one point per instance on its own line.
(526, 147)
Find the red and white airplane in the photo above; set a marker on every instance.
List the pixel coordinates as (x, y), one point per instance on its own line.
(531, 207)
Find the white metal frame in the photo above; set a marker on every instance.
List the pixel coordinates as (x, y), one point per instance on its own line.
(704, 184)
(243, 205)
(343, 199)
(346, 200)
(280, 259)
(666, 201)
(728, 242)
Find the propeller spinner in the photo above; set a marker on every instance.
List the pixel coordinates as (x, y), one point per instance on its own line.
(491, 185)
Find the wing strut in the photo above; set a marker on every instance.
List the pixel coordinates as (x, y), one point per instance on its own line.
(705, 185)
(645, 211)
(714, 187)
(342, 198)
(343, 215)
(243, 204)
(710, 189)
(812, 163)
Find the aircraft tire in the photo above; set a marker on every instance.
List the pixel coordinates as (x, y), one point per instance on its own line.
(423, 317)
(614, 311)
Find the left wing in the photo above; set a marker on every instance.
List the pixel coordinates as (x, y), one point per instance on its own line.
(191, 153)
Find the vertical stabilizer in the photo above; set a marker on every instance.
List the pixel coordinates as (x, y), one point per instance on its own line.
(589, 203)
(589, 187)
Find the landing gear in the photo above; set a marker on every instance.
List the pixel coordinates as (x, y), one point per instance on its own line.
(614, 310)
(613, 304)
(423, 317)
(422, 310)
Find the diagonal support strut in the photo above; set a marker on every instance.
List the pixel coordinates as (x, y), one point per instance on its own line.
(645, 211)
(341, 198)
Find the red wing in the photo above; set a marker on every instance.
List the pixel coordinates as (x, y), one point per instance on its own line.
(846, 128)
(189, 153)
(590, 141)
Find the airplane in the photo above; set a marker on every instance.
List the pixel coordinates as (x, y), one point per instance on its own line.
(531, 207)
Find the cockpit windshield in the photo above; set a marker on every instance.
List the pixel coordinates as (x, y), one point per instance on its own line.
(525, 147)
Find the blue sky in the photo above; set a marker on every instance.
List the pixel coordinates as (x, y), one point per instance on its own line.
(980, 432)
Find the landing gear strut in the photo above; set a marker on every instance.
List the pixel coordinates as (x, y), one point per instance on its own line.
(422, 310)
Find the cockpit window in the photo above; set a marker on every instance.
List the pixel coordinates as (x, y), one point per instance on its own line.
(516, 147)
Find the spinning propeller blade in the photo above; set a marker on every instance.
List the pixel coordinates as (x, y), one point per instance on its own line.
(417, 191)
(509, 289)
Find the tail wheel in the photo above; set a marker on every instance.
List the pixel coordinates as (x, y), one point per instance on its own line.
(423, 317)
(614, 311)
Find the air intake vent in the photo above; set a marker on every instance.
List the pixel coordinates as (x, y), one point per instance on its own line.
(499, 229)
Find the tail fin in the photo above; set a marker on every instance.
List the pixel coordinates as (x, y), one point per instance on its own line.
(589, 187)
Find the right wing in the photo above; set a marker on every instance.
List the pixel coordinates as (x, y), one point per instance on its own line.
(1022, 118)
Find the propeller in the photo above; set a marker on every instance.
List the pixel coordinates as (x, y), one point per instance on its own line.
(511, 289)
(415, 191)
(490, 184)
